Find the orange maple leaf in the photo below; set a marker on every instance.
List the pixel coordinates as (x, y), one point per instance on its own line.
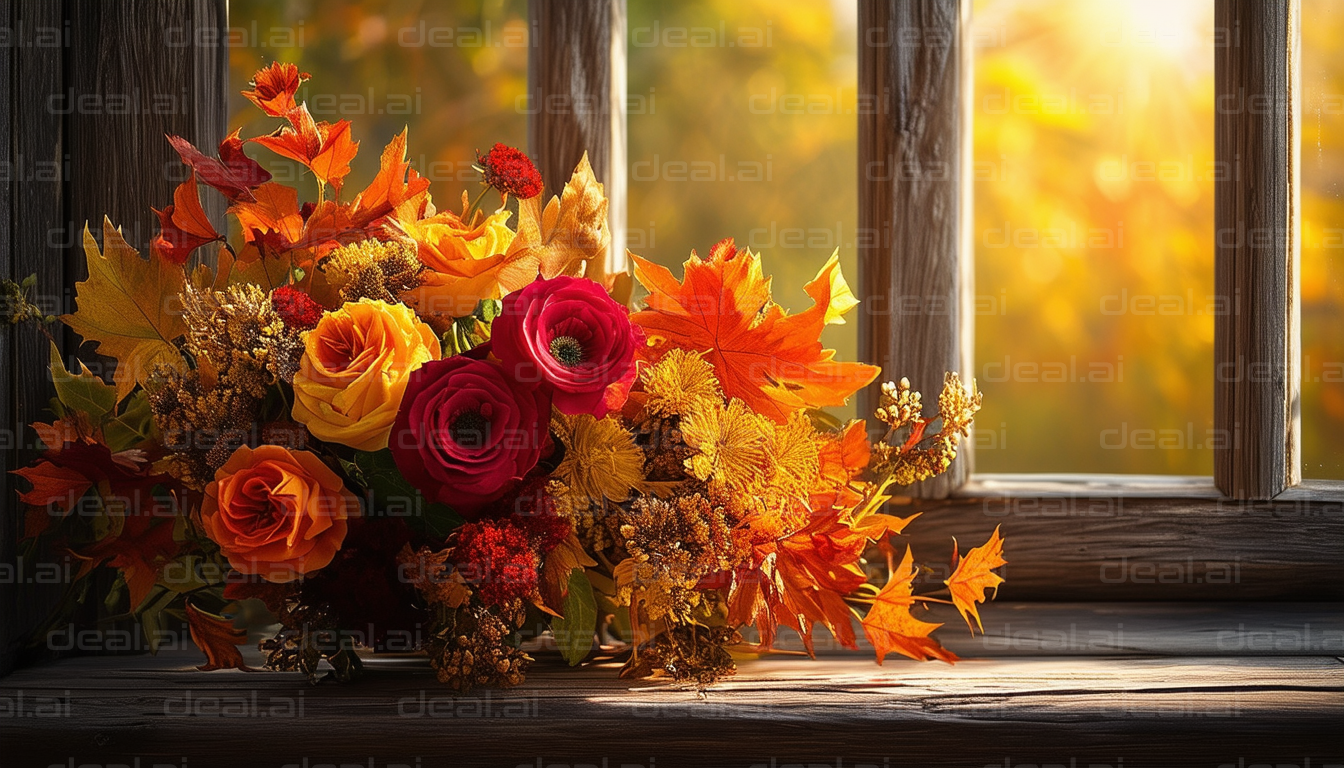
(974, 575)
(800, 581)
(217, 638)
(325, 148)
(273, 88)
(183, 226)
(770, 359)
(275, 210)
(395, 185)
(890, 626)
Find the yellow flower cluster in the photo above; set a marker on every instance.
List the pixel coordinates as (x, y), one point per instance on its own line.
(917, 455)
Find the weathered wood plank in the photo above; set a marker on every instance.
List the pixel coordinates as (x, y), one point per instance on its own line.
(1066, 547)
(1096, 629)
(576, 100)
(915, 260)
(1066, 484)
(36, 241)
(90, 90)
(1256, 335)
(776, 712)
(8, 527)
(160, 58)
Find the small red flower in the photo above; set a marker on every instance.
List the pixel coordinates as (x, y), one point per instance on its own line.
(296, 308)
(496, 557)
(510, 171)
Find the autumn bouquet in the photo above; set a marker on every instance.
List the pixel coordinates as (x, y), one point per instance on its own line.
(405, 429)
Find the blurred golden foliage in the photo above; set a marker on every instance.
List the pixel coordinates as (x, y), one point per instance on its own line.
(1093, 163)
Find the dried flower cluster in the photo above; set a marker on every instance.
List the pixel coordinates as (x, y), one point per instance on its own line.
(242, 347)
(373, 269)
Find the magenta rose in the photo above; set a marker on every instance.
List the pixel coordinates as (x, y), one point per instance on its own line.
(466, 432)
(569, 335)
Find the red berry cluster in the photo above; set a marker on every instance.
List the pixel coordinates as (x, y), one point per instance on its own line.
(296, 308)
(496, 557)
(510, 171)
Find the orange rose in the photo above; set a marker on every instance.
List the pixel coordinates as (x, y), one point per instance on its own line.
(276, 513)
(354, 370)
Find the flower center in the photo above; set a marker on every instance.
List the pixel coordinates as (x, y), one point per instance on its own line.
(567, 350)
(469, 429)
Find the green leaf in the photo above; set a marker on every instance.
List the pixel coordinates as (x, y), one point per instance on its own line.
(82, 392)
(134, 426)
(114, 594)
(440, 520)
(393, 495)
(488, 309)
(151, 615)
(574, 631)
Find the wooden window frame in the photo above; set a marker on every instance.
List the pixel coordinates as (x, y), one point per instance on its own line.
(1070, 533)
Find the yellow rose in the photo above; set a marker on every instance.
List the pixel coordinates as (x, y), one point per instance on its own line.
(354, 370)
(448, 245)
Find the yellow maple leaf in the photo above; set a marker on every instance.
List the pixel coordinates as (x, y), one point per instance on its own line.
(974, 575)
(571, 231)
(127, 308)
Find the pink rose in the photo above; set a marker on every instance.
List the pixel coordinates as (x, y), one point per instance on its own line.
(467, 432)
(571, 336)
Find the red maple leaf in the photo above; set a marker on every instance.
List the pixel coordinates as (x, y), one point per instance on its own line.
(234, 174)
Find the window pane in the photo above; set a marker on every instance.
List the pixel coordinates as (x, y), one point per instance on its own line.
(452, 71)
(742, 125)
(1093, 221)
(1322, 239)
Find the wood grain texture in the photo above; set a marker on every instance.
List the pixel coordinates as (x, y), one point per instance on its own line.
(148, 53)
(776, 712)
(9, 533)
(1099, 629)
(92, 87)
(915, 270)
(37, 227)
(1085, 546)
(576, 100)
(1256, 336)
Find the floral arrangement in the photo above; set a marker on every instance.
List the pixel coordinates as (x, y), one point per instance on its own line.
(410, 429)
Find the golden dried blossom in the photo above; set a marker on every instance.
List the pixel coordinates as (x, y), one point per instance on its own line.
(679, 383)
(674, 543)
(241, 347)
(688, 654)
(899, 406)
(732, 445)
(240, 334)
(920, 456)
(601, 460)
(794, 447)
(471, 648)
(374, 269)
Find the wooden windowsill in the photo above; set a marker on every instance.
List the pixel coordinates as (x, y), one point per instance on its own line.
(1114, 705)
(1082, 485)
